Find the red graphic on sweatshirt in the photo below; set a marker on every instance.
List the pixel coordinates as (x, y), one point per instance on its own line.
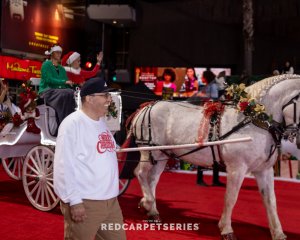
(105, 143)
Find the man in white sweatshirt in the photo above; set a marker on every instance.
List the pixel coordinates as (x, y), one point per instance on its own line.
(86, 175)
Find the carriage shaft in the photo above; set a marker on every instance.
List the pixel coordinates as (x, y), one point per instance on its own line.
(191, 145)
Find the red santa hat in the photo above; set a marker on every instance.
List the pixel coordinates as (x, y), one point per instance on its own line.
(69, 58)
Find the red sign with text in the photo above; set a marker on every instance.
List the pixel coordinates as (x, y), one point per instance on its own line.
(19, 69)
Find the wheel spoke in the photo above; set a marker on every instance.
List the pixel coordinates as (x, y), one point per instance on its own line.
(47, 195)
(38, 193)
(49, 168)
(10, 163)
(51, 192)
(19, 166)
(122, 183)
(42, 195)
(15, 166)
(46, 162)
(34, 163)
(30, 175)
(49, 179)
(34, 189)
(42, 159)
(38, 159)
(32, 169)
(31, 182)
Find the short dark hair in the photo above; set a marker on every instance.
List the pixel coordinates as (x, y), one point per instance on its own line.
(209, 76)
(169, 72)
(83, 99)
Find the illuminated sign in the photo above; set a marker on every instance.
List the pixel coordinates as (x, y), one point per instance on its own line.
(34, 26)
(19, 69)
(43, 40)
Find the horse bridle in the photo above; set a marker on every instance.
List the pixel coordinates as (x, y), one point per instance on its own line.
(292, 129)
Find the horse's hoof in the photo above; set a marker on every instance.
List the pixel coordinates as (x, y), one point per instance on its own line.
(281, 237)
(154, 218)
(142, 209)
(228, 236)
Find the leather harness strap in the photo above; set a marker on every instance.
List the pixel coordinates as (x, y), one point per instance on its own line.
(293, 101)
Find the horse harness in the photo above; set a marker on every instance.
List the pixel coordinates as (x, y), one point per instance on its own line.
(146, 111)
(292, 129)
(261, 120)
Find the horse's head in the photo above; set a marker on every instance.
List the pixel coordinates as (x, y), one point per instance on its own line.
(281, 97)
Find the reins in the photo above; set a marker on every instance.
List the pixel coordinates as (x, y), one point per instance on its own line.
(275, 129)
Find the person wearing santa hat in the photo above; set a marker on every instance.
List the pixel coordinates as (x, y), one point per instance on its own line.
(71, 63)
(55, 87)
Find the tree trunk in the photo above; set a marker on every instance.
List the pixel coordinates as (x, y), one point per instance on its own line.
(248, 31)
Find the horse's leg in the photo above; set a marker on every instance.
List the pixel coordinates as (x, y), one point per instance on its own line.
(265, 182)
(153, 178)
(235, 179)
(142, 173)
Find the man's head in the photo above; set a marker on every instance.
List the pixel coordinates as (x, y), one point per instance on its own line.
(95, 97)
(55, 52)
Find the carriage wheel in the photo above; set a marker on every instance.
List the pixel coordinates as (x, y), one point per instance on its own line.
(38, 178)
(123, 182)
(13, 167)
(123, 185)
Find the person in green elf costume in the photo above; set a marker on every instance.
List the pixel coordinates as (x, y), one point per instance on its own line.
(55, 87)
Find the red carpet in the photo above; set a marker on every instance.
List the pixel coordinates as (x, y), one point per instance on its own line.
(180, 200)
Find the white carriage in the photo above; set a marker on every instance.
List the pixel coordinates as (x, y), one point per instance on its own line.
(29, 157)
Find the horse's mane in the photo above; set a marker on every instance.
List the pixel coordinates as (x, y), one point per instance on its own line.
(259, 89)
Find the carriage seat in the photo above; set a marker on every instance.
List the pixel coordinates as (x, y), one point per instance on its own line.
(47, 112)
(47, 121)
(35, 82)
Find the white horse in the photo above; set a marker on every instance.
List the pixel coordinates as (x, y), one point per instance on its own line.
(178, 123)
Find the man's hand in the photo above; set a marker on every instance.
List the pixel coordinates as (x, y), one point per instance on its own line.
(99, 58)
(69, 83)
(78, 212)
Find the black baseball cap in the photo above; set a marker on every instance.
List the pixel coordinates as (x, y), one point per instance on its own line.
(94, 85)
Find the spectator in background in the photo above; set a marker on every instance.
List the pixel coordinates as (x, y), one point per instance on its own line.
(190, 84)
(275, 72)
(288, 68)
(221, 82)
(167, 86)
(55, 87)
(210, 91)
(244, 78)
(71, 63)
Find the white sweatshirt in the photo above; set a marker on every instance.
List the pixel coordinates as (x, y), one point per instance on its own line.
(85, 162)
